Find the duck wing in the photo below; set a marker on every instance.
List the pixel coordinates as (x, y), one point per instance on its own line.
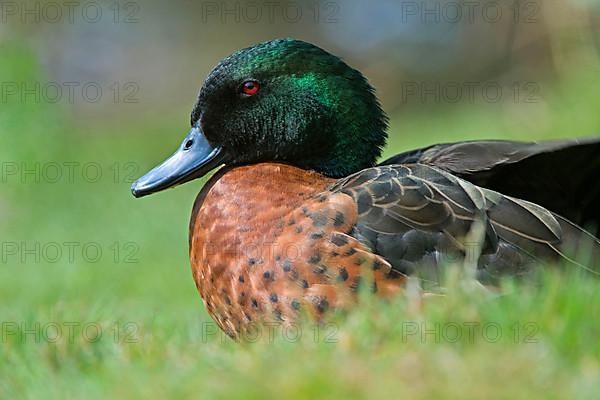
(560, 175)
(419, 217)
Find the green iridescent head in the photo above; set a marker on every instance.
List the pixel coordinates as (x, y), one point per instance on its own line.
(283, 100)
(310, 109)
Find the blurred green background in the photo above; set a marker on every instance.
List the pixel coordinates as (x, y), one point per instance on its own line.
(94, 95)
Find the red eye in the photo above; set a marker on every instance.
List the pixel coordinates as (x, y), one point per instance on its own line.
(250, 88)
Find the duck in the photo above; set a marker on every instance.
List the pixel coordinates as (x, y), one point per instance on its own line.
(299, 216)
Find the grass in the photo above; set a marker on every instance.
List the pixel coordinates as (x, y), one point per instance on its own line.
(535, 342)
(154, 341)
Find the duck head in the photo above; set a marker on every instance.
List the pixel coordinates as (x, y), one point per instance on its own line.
(283, 100)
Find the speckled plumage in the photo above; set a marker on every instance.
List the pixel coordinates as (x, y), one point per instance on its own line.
(268, 240)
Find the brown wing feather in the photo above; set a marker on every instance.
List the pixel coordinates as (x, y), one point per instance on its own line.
(416, 213)
(560, 175)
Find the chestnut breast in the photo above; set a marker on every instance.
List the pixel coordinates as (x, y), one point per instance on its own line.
(268, 240)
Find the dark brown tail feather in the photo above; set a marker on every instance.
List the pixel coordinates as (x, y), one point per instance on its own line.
(544, 235)
(578, 246)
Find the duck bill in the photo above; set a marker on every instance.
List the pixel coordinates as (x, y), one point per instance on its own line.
(194, 159)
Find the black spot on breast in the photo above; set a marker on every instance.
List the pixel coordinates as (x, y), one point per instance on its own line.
(314, 259)
(295, 304)
(343, 275)
(305, 284)
(339, 240)
(315, 236)
(377, 265)
(322, 305)
(273, 297)
(299, 229)
(287, 265)
(320, 269)
(339, 219)
(267, 275)
(319, 219)
(350, 252)
(241, 279)
(254, 303)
